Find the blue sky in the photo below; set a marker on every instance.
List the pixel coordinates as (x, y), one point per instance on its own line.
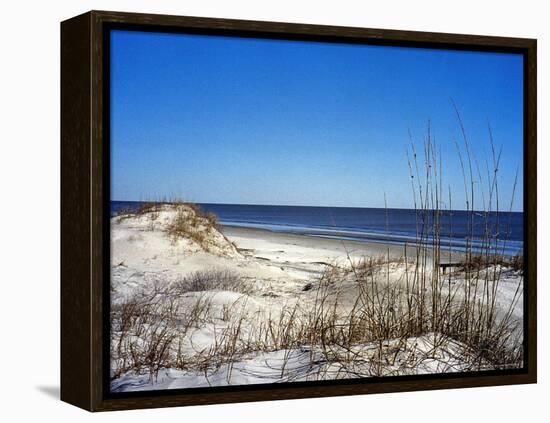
(249, 121)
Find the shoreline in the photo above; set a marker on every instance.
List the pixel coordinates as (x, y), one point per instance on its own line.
(373, 226)
(246, 238)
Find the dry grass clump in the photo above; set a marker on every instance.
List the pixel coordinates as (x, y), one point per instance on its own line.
(149, 208)
(212, 220)
(152, 210)
(149, 327)
(142, 332)
(145, 328)
(489, 337)
(182, 220)
(222, 280)
(187, 224)
(478, 262)
(368, 266)
(469, 312)
(191, 223)
(516, 263)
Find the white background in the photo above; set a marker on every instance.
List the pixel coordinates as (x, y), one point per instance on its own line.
(29, 231)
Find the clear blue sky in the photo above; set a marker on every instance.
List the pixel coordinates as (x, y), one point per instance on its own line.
(248, 121)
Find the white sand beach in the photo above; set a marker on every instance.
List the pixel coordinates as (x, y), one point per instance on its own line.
(229, 306)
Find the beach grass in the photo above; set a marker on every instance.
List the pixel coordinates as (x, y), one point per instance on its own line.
(405, 313)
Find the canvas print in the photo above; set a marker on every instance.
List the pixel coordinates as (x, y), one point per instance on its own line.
(291, 211)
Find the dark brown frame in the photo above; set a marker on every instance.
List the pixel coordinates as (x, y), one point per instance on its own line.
(85, 180)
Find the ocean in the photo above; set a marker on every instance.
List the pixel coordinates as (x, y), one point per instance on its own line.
(393, 226)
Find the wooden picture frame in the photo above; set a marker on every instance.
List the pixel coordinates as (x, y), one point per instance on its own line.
(85, 185)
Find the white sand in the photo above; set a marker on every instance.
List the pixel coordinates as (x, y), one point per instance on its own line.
(276, 269)
(141, 252)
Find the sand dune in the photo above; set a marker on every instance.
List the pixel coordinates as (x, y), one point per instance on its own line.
(221, 299)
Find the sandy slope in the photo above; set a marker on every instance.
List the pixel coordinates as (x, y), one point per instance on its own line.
(276, 271)
(142, 252)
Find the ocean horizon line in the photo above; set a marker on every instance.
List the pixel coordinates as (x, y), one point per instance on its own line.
(309, 206)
